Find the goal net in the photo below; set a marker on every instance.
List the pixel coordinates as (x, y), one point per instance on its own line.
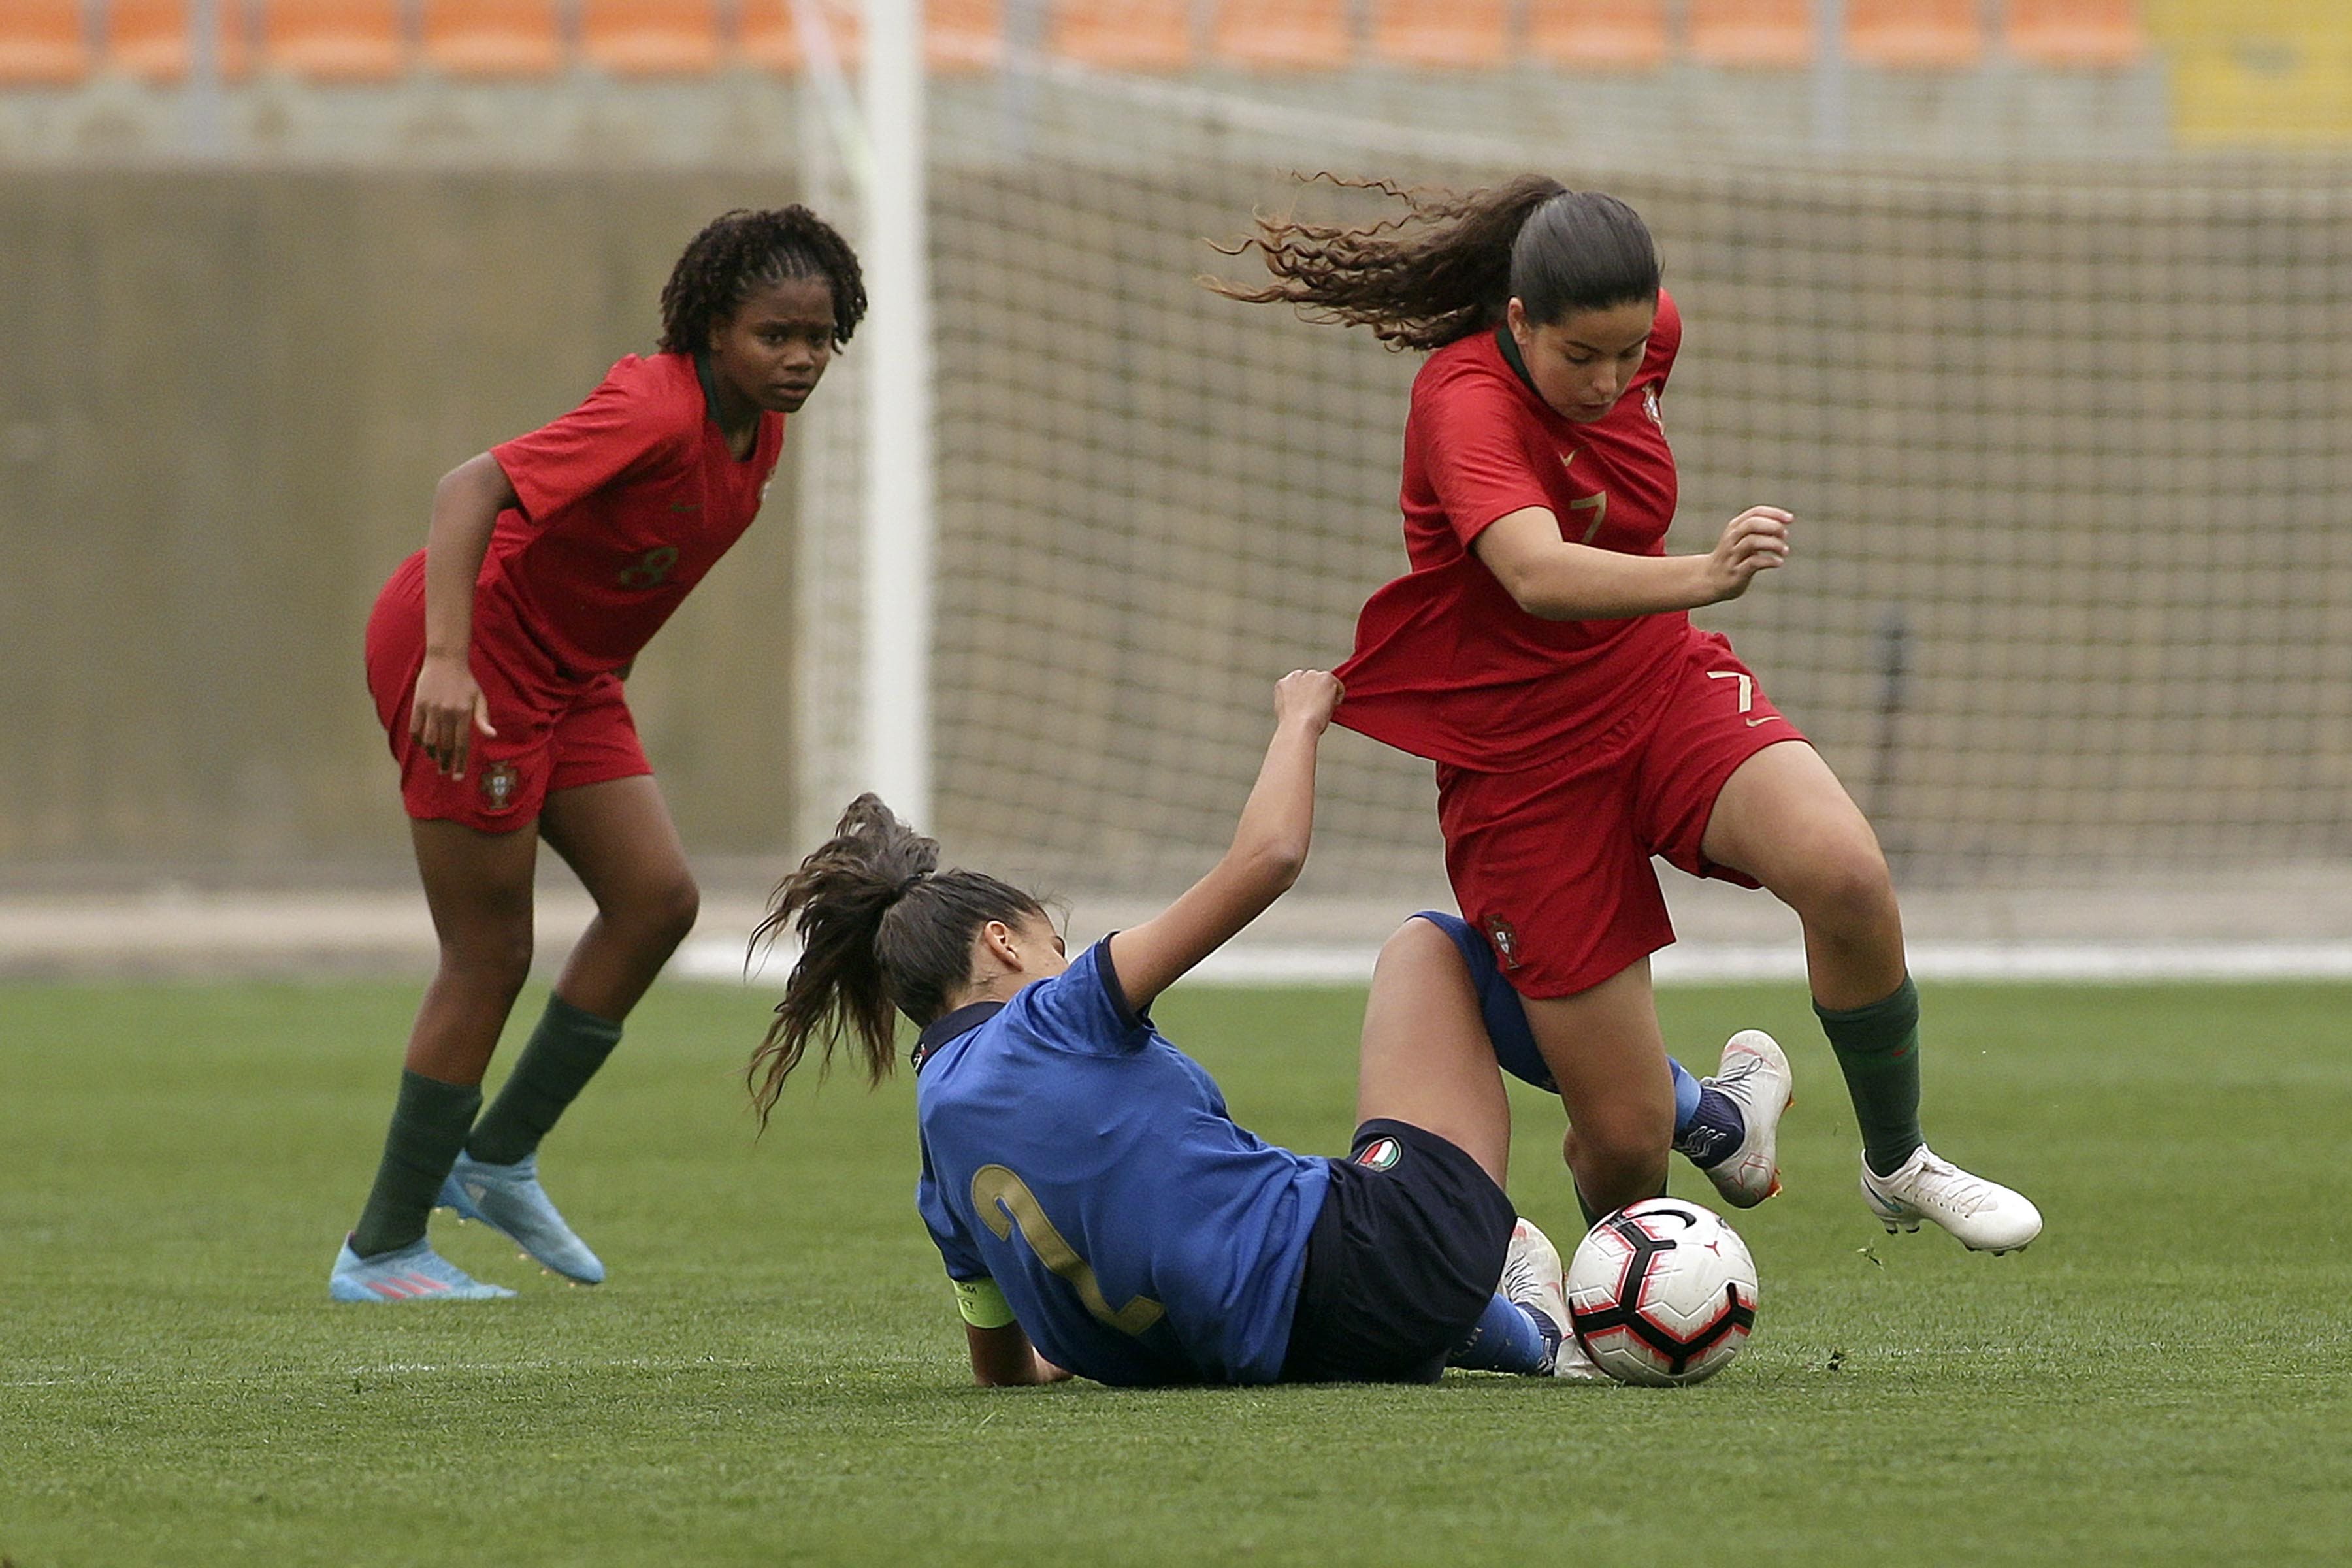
(2065, 436)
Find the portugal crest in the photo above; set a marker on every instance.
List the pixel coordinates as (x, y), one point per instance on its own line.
(1505, 937)
(501, 782)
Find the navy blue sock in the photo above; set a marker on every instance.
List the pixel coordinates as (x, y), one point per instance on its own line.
(1508, 1338)
(1713, 1130)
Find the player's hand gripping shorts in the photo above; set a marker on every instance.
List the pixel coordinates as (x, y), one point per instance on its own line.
(554, 732)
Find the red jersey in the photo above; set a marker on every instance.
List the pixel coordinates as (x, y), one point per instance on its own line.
(1446, 665)
(625, 502)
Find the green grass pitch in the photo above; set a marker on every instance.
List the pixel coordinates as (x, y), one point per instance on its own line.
(775, 1373)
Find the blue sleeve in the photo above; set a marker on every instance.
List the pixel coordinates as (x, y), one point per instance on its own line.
(1083, 1008)
(956, 1248)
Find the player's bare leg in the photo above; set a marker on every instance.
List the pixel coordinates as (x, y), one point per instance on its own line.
(1783, 818)
(1425, 1059)
(1608, 1057)
(479, 888)
(619, 837)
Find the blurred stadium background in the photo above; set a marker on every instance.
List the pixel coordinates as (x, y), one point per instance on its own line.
(2039, 313)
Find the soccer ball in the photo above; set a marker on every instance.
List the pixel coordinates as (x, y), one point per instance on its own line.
(1661, 1292)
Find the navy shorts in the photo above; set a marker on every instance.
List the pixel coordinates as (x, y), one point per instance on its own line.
(1402, 1261)
(1507, 1016)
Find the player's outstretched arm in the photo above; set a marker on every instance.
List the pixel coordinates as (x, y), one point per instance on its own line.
(1268, 850)
(1559, 579)
(448, 706)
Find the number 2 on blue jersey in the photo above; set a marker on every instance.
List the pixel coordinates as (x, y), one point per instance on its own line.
(1004, 1200)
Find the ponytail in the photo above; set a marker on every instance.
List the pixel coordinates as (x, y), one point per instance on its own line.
(1447, 266)
(881, 930)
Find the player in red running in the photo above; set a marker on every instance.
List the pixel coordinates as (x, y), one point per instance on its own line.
(1540, 653)
(495, 656)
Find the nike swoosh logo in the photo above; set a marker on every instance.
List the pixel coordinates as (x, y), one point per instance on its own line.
(1766, 719)
(686, 506)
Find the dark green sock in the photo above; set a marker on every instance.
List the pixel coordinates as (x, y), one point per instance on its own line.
(428, 1127)
(1877, 1048)
(564, 1053)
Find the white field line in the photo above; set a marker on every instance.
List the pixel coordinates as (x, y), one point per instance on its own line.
(1702, 963)
(390, 1369)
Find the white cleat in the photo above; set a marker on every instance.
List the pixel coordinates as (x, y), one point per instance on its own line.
(1571, 1363)
(1534, 1280)
(1985, 1215)
(1754, 1075)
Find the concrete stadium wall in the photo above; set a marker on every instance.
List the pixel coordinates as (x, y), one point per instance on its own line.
(228, 398)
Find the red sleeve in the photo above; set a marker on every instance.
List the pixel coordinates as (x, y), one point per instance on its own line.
(1472, 433)
(625, 429)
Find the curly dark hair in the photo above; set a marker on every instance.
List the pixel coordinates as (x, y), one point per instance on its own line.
(738, 250)
(1446, 266)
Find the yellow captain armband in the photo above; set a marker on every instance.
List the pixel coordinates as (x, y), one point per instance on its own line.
(981, 1303)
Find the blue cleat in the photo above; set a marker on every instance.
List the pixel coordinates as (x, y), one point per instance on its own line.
(510, 1200)
(411, 1273)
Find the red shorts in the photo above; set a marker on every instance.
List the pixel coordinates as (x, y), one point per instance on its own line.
(555, 731)
(1553, 863)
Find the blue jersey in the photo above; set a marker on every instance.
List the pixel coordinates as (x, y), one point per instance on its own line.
(1089, 1167)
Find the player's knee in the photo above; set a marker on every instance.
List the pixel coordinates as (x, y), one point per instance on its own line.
(1847, 889)
(1414, 942)
(1613, 1172)
(1621, 1148)
(665, 913)
(488, 960)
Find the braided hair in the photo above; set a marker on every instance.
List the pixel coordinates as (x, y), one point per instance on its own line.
(740, 250)
(1446, 266)
(881, 929)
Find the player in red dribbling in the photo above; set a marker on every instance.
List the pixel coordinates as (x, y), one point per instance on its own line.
(495, 656)
(1540, 653)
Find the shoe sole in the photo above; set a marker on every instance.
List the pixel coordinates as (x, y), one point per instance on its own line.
(469, 1214)
(1911, 1228)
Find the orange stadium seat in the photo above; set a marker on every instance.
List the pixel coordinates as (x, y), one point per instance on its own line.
(772, 40)
(2076, 35)
(1442, 34)
(1598, 34)
(650, 37)
(1750, 35)
(959, 35)
(149, 39)
(493, 37)
(963, 36)
(1914, 35)
(1123, 34)
(1284, 35)
(41, 44)
(334, 40)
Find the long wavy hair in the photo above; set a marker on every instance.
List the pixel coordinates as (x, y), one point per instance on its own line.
(1446, 266)
(882, 929)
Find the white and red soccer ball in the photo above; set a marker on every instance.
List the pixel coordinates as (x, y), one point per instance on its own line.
(1661, 1292)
